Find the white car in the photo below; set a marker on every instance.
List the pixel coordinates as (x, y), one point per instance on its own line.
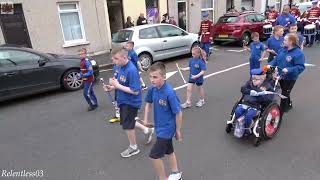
(153, 42)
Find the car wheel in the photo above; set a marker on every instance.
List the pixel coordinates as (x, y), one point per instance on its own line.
(245, 38)
(146, 61)
(70, 80)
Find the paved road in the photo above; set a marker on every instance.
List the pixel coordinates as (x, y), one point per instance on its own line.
(53, 132)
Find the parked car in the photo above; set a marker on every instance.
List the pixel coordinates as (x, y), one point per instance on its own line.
(24, 71)
(237, 27)
(153, 42)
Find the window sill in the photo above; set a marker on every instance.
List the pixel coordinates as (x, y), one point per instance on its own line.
(75, 44)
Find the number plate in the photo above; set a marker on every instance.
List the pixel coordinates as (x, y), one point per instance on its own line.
(223, 35)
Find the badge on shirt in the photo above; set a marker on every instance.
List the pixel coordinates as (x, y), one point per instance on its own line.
(287, 19)
(288, 58)
(258, 46)
(196, 66)
(282, 45)
(122, 78)
(162, 102)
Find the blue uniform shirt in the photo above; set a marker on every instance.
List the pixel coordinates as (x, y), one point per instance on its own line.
(256, 49)
(166, 105)
(293, 60)
(196, 66)
(133, 57)
(275, 44)
(285, 20)
(115, 70)
(129, 76)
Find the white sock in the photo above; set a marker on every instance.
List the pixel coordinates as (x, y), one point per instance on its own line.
(134, 146)
(146, 130)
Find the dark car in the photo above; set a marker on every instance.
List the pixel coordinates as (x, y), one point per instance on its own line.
(237, 27)
(24, 71)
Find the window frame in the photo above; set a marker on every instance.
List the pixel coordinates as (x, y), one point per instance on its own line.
(161, 35)
(70, 43)
(155, 29)
(208, 9)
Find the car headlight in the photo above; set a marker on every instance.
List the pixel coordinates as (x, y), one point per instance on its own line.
(93, 62)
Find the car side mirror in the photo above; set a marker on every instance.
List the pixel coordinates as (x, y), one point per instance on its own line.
(42, 62)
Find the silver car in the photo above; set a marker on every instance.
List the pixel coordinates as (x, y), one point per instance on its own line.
(153, 42)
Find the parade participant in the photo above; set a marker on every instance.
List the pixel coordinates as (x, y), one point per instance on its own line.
(167, 120)
(272, 15)
(290, 62)
(312, 15)
(197, 68)
(253, 96)
(295, 11)
(285, 19)
(133, 57)
(293, 28)
(256, 48)
(274, 43)
(206, 33)
(129, 100)
(141, 20)
(86, 74)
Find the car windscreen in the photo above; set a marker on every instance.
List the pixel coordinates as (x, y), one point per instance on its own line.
(122, 36)
(228, 19)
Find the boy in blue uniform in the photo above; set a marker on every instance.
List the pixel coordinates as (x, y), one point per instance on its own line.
(128, 92)
(86, 74)
(256, 48)
(275, 43)
(254, 96)
(291, 63)
(132, 55)
(285, 19)
(293, 28)
(167, 120)
(197, 67)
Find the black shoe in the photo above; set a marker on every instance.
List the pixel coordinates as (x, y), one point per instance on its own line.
(93, 107)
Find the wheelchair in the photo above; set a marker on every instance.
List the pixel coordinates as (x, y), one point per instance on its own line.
(266, 122)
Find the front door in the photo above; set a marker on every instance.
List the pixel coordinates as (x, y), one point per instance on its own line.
(14, 27)
(182, 15)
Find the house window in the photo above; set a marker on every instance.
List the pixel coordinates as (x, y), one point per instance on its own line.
(207, 6)
(71, 24)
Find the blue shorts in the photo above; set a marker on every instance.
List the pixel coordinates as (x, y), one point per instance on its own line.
(197, 83)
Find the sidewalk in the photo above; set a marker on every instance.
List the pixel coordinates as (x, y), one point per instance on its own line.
(104, 60)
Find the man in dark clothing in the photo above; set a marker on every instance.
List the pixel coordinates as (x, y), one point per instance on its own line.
(141, 20)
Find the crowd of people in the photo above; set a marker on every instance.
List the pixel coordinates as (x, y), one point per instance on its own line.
(284, 50)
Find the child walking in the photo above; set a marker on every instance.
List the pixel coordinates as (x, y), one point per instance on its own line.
(167, 120)
(197, 68)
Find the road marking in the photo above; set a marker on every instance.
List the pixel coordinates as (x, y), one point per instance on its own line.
(215, 73)
(310, 65)
(105, 70)
(232, 50)
(169, 74)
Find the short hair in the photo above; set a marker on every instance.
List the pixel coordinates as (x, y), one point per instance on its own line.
(254, 34)
(277, 28)
(158, 66)
(83, 50)
(293, 24)
(130, 42)
(120, 50)
(293, 38)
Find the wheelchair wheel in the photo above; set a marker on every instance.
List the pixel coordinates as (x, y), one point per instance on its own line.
(271, 120)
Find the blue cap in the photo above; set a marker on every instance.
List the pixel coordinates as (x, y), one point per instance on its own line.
(205, 14)
(257, 71)
(314, 2)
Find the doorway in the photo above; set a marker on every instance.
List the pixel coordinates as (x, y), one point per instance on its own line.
(115, 15)
(14, 27)
(182, 14)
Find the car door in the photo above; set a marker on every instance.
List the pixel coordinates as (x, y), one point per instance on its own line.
(175, 42)
(149, 39)
(33, 73)
(253, 24)
(9, 76)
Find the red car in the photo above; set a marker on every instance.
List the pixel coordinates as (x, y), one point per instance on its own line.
(237, 27)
